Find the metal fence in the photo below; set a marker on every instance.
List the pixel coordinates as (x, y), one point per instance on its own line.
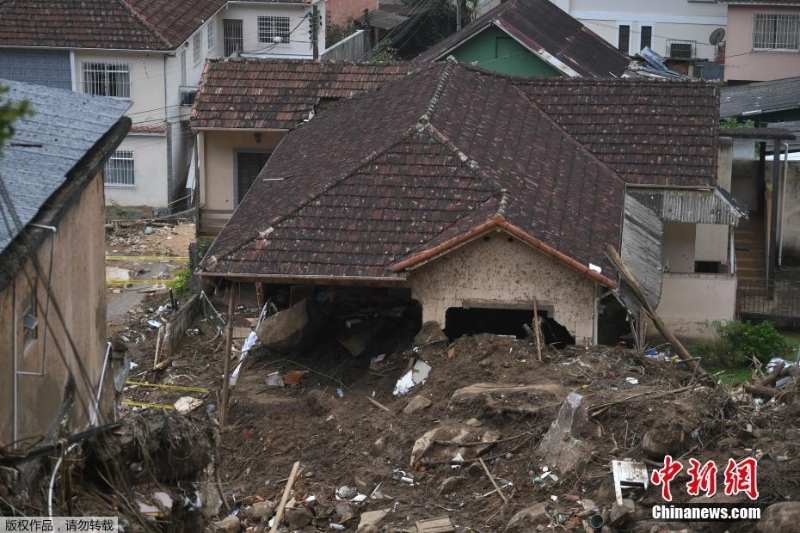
(776, 299)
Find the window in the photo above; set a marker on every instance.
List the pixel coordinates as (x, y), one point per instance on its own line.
(776, 31)
(232, 36)
(119, 169)
(107, 79)
(624, 42)
(646, 37)
(271, 27)
(30, 319)
(197, 48)
(681, 49)
(211, 31)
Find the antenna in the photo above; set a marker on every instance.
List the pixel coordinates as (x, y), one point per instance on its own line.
(717, 36)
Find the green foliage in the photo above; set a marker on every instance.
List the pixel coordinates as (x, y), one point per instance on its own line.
(733, 122)
(9, 112)
(387, 54)
(336, 32)
(181, 282)
(736, 343)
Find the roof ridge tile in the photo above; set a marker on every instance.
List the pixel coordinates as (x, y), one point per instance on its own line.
(141, 18)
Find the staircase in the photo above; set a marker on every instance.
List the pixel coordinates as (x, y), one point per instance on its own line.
(749, 241)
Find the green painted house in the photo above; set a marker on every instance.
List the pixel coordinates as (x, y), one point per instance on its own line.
(531, 38)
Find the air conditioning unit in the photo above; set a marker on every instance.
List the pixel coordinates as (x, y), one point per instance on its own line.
(681, 50)
(188, 95)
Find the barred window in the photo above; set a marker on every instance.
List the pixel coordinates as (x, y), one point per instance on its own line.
(646, 37)
(211, 31)
(197, 48)
(107, 79)
(271, 27)
(119, 169)
(624, 38)
(681, 49)
(776, 31)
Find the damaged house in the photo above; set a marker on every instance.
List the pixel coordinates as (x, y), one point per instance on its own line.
(484, 196)
(52, 268)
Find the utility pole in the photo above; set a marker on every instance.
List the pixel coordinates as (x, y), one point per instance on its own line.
(315, 31)
(458, 15)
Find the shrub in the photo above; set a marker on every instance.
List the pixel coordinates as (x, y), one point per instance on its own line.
(737, 342)
(181, 282)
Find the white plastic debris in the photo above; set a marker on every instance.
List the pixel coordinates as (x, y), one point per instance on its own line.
(275, 380)
(595, 268)
(248, 345)
(417, 375)
(632, 381)
(187, 404)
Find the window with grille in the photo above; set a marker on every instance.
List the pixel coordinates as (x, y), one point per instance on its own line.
(107, 79)
(271, 27)
(197, 48)
(646, 37)
(776, 31)
(119, 169)
(232, 36)
(624, 42)
(30, 319)
(210, 30)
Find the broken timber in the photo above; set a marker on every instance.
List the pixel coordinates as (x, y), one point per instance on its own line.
(683, 353)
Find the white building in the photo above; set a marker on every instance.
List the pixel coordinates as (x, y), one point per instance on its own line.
(677, 29)
(151, 52)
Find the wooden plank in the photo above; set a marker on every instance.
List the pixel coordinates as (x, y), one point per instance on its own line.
(435, 525)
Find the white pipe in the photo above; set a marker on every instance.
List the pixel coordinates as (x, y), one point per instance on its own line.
(96, 407)
(783, 198)
(15, 384)
(53, 480)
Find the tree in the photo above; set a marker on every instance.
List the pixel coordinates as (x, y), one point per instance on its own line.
(9, 112)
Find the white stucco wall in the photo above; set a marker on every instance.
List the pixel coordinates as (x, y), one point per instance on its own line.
(505, 272)
(712, 243)
(690, 302)
(677, 19)
(679, 246)
(150, 178)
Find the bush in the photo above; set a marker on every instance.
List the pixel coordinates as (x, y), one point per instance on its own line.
(181, 283)
(737, 342)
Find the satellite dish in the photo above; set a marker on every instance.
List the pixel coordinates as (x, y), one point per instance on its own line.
(717, 36)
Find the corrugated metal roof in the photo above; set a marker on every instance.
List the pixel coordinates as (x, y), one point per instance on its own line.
(35, 162)
(696, 206)
(642, 234)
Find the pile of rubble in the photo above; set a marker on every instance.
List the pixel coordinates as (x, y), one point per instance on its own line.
(477, 435)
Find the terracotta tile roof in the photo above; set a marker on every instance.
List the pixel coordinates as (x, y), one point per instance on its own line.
(417, 165)
(540, 25)
(119, 24)
(279, 94)
(655, 132)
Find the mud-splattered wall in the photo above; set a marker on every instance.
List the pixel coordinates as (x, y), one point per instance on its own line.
(502, 272)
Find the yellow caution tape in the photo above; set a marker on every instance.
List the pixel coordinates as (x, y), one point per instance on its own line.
(146, 404)
(167, 258)
(164, 386)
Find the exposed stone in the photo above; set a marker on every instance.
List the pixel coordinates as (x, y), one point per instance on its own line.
(620, 512)
(417, 403)
(474, 423)
(780, 517)
(431, 332)
(260, 510)
(378, 447)
(658, 442)
(450, 484)
(528, 518)
(371, 519)
(230, 524)
(299, 517)
(560, 447)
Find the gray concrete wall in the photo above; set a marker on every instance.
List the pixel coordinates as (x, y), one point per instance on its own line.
(680, 240)
(352, 48)
(502, 272)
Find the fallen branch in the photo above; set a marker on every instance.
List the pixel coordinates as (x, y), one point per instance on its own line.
(486, 443)
(772, 378)
(597, 409)
(491, 478)
(378, 404)
(285, 498)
